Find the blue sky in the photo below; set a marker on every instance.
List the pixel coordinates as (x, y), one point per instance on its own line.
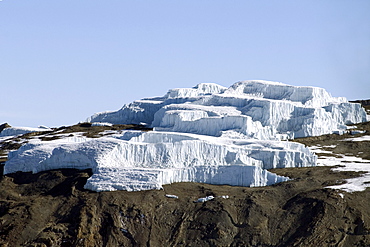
(62, 61)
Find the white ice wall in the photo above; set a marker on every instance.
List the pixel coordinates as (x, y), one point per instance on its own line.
(147, 179)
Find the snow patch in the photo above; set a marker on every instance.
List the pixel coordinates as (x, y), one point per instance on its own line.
(172, 196)
(354, 184)
(347, 163)
(359, 139)
(101, 124)
(204, 199)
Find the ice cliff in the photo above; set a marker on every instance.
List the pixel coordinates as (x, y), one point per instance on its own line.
(207, 134)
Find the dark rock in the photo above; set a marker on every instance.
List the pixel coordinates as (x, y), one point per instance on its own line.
(54, 209)
(3, 126)
(85, 125)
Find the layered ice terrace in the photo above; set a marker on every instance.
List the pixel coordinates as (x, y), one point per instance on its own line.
(207, 134)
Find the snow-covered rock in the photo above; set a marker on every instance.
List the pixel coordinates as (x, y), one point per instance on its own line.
(207, 134)
(13, 131)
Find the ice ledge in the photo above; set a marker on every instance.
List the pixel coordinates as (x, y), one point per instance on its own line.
(148, 179)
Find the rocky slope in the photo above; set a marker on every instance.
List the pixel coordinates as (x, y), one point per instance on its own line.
(52, 209)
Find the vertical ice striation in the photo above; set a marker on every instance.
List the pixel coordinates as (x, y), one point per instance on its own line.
(146, 179)
(307, 96)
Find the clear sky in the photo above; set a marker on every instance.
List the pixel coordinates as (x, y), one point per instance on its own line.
(62, 61)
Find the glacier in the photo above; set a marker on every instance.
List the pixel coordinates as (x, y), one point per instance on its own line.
(136, 160)
(206, 134)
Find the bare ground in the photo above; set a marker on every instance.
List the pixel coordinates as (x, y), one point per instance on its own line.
(52, 209)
